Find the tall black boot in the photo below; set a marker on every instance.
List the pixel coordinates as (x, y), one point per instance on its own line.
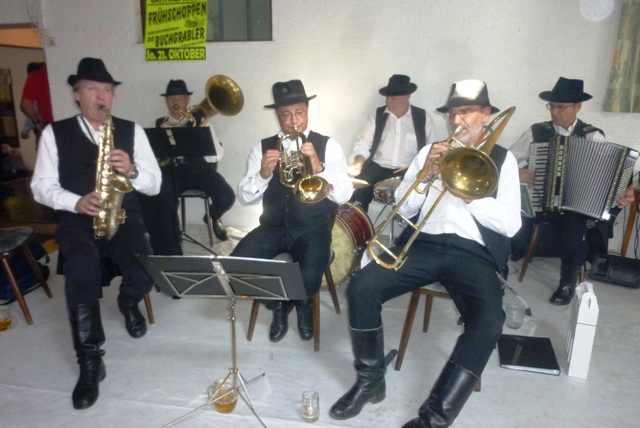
(304, 309)
(368, 350)
(566, 289)
(449, 394)
(88, 336)
(133, 319)
(280, 322)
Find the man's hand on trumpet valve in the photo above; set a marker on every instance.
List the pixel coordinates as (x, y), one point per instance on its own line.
(307, 150)
(268, 163)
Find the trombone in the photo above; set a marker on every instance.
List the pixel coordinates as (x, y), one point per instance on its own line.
(466, 172)
(310, 188)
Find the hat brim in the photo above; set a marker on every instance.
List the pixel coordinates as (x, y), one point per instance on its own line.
(181, 93)
(74, 78)
(460, 102)
(410, 89)
(555, 98)
(283, 102)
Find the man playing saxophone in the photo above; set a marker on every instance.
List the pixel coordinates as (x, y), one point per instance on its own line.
(64, 179)
(461, 245)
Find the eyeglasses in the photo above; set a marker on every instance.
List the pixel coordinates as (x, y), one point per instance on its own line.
(462, 113)
(287, 115)
(559, 107)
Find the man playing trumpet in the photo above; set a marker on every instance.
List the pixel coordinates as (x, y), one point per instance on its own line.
(461, 245)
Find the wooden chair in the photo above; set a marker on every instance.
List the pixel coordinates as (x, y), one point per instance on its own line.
(183, 210)
(432, 290)
(12, 240)
(316, 305)
(531, 250)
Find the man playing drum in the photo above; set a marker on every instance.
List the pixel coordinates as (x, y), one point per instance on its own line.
(389, 140)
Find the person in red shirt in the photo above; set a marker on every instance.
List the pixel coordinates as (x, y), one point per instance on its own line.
(36, 89)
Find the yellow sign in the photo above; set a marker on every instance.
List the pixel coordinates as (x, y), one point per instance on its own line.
(176, 30)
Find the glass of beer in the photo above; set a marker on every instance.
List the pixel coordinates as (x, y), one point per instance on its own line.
(223, 394)
(7, 321)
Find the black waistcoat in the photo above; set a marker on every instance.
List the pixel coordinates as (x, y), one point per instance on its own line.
(419, 117)
(281, 208)
(544, 131)
(499, 246)
(78, 157)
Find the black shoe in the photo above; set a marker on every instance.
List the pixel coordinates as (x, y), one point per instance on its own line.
(563, 295)
(280, 323)
(218, 228)
(133, 319)
(305, 319)
(86, 392)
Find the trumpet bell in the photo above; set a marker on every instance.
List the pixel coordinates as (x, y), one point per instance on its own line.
(224, 95)
(312, 189)
(469, 173)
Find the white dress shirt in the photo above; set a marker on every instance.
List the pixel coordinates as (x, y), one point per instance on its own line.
(521, 147)
(453, 215)
(398, 144)
(252, 186)
(45, 183)
(216, 142)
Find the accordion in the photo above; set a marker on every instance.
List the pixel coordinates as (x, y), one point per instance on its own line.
(581, 175)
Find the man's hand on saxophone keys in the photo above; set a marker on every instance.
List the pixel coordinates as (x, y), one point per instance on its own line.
(89, 204)
(119, 160)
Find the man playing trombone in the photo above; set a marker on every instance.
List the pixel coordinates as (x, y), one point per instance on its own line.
(462, 244)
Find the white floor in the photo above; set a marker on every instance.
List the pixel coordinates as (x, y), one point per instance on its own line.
(155, 380)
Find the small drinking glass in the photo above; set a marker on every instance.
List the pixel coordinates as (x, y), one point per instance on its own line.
(7, 320)
(514, 316)
(224, 395)
(310, 406)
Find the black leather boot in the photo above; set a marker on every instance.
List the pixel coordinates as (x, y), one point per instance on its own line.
(280, 324)
(449, 394)
(368, 350)
(133, 320)
(568, 279)
(88, 336)
(304, 308)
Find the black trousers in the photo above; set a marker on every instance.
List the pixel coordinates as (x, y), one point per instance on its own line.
(464, 267)
(160, 212)
(309, 246)
(372, 174)
(563, 237)
(82, 253)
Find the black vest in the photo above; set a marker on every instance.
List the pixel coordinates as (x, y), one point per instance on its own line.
(281, 208)
(160, 121)
(499, 246)
(544, 131)
(419, 117)
(78, 158)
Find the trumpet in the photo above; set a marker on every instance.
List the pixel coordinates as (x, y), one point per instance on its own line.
(466, 172)
(309, 188)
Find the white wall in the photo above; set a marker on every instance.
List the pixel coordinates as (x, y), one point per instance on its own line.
(344, 51)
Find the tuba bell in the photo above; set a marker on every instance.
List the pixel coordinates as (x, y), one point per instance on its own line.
(307, 187)
(466, 172)
(222, 96)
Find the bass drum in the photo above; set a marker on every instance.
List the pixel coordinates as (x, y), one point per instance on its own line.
(351, 232)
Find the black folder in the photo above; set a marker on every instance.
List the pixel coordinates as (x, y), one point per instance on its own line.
(527, 353)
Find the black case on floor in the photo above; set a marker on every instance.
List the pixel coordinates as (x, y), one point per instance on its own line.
(616, 270)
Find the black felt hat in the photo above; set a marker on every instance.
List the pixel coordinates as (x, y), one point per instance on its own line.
(566, 91)
(92, 69)
(469, 92)
(288, 93)
(399, 84)
(176, 87)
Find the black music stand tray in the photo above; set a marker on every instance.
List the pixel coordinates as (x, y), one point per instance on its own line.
(171, 143)
(226, 277)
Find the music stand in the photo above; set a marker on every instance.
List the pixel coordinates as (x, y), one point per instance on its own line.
(172, 143)
(230, 277)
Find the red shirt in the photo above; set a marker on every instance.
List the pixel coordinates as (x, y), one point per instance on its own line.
(36, 88)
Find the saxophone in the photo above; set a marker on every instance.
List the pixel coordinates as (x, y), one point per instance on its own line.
(110, 185)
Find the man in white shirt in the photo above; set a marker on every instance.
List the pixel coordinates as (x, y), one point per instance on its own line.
(462, 245)
(64, 179)
(568, 229)
(390, 138)
(288, 225)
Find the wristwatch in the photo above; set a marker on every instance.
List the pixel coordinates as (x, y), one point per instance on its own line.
(135, 172)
